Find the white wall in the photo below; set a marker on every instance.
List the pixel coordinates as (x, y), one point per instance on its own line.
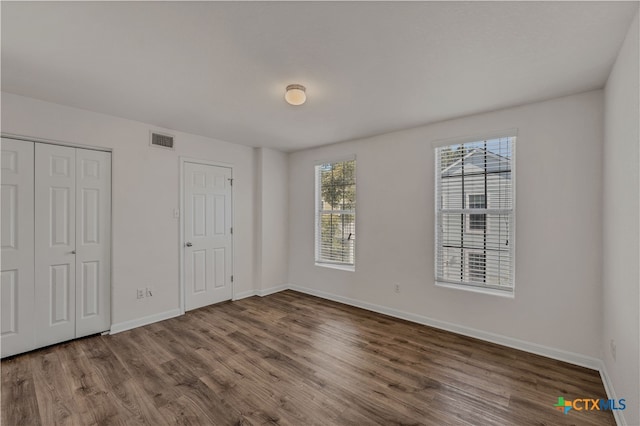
(558, 219)
(145, 193)
(621, 229)
(272, 216)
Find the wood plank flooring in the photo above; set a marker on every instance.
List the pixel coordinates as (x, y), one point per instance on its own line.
(290, 359)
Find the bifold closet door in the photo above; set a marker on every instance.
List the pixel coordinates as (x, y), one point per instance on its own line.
(16, 287)
(72, 243)
(55, 243)
(93, 248)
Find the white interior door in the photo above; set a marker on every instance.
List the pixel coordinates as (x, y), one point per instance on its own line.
(207, 234)
(55, 243)
(16, 287)
(93, 245)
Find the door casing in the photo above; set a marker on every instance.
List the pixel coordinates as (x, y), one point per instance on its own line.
(182, 241)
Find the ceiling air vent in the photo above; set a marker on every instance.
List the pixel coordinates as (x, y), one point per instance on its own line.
(161, 140)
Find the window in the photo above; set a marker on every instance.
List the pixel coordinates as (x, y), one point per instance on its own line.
(336, 213)
(474, 198)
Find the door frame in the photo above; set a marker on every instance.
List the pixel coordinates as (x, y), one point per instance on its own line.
(183, 160)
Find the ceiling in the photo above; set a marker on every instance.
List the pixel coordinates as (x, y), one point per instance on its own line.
(219, 69)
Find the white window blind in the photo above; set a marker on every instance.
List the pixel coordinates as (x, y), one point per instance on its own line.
(336, 213)
(474, 198)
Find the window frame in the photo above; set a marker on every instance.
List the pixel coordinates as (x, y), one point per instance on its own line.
(502, 291)
(319, 212)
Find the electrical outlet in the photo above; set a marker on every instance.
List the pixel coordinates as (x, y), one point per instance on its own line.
(148, 292)
(140, 293)
(397, 287)
(612, 345)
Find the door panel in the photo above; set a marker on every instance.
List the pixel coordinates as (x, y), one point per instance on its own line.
(55, 228)
(219, 266)
(207, 227)
(59, 283)
(16, 278)
(93, 248)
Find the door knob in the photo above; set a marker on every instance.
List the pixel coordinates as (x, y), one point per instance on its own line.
(73, 252)
(188, 244)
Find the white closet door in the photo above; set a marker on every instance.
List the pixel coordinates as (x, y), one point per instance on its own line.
(55, 227)
(16, 294)
(93, 219)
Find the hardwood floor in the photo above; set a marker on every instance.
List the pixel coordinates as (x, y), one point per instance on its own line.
(291, 359)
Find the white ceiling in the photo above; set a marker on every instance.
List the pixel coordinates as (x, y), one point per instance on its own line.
(219, 69)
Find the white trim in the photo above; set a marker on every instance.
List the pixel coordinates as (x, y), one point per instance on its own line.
(261, 293)
(338, 266)
(244, 295)
(53, 142)
(182, 160)
(558, 354)
(611, 394)
(478, 137)
(139, 322)
(181, 235)
(272, 290)
(507, 292)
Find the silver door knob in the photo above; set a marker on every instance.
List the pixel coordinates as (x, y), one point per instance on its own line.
(188, 244)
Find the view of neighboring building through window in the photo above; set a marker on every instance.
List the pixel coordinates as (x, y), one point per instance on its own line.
(336, 213)
(477, 222)
(474, 198)
(477, 266)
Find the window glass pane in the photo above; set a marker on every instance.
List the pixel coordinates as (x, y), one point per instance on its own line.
(476, 266)
(475, 248)
(337, 237)
(337, 181)
(477, 201)
(477, 222)
(335, 218)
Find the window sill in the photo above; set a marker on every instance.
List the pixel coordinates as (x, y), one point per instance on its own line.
(348, 268)
(509, 294)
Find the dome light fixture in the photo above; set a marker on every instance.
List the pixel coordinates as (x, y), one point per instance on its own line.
(295, 94)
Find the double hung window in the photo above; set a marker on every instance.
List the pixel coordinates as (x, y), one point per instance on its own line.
(336, 213)
(474, 198)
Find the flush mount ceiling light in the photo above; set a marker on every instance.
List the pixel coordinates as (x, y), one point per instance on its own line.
(295, 94)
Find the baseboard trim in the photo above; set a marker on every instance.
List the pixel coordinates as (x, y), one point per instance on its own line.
(558, 354)
(139, 322)
(244, 295)
(611, 394)
(271, 290)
